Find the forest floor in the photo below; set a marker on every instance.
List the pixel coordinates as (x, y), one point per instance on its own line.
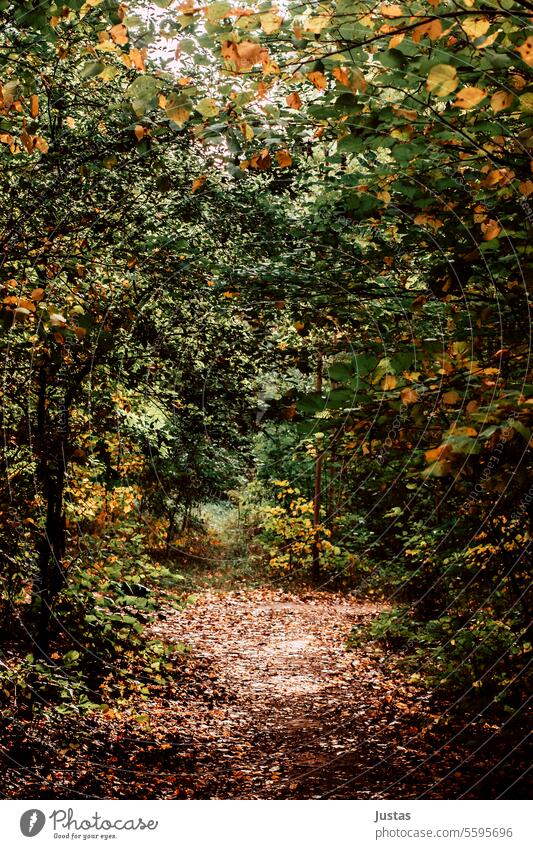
(268, 704)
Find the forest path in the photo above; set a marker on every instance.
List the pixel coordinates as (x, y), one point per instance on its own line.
(290, 713)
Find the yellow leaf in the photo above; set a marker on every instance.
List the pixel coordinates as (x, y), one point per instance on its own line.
(490, 39)
(469, 97)
(388, 382)
(475, 27)
(317, 23)
(526, 103)
(284, 158)
(140, 132)
(442, 80)
(246, 131)
(501, 100)
(176, 110)
(271, 21)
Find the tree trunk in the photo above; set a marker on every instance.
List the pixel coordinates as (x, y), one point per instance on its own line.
(51, 551)
(315, 551)
(170, 531)
(51, 547)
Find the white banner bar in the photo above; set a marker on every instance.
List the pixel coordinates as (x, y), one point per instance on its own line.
(263, 824)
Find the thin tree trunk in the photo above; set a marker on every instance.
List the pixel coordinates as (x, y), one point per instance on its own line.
(315, 551)
(51, 547)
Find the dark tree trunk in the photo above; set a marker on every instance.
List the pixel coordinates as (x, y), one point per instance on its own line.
(51, 472)
(315, 552)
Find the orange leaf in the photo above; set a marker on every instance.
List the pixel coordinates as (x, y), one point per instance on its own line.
(526, 50)
(284, 158)
(341, 75)
(294, 101)
(261, 161)
(391, 10)
(119, 34)
(490, 229)
(409, 396)
(451, 397)
(138, 57)
(198, 183)
(318, 79)
(34, 105)
(501, 100)
(469, 97)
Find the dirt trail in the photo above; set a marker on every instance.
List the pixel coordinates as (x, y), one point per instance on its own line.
(294, 715)
(268, 704)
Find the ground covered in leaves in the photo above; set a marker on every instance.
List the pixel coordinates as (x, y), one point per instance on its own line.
(268, 704)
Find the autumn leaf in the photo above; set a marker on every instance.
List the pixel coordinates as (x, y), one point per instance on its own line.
(271, 21)
(469, 97)
(526, 50)
(261, 161)
(409, 396)
(475, 27)
(428, 220)
(389, 382)
(501, 100)
(490, 229)
(442, 80)
(198, 183)
(207, 107)
(244, 54)
(34, 106)
(294, 100)
(433, 29)
(119, 34)
(137, 58)
(317, 23)
(283, 158)
(391, 10)
(318, 79)
(451, 397)
(341, 75)
(177, 109)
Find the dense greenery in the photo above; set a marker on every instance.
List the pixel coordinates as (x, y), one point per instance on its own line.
(287, 262)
